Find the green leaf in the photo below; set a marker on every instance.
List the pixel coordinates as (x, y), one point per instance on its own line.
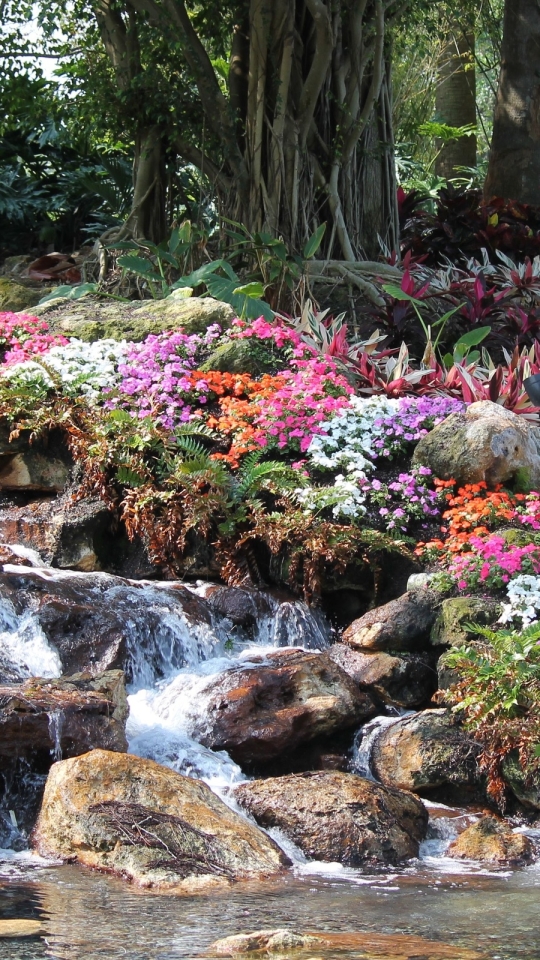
(140, 266)
(472, 338)
(536, 749)
(129, 478)
(254, 289)
(398, 294)
(204, 273)
(71, 292)
(314, 242)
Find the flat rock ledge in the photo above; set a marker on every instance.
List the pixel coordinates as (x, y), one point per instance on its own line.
(369, 945)
(338, 817)
(64, 717)
(145, 823)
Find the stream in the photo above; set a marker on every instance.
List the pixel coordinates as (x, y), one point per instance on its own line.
(86, 915)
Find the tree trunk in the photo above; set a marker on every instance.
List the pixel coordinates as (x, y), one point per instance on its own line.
(456, 100)
(148, 217)
(514, 160)
(305, 130)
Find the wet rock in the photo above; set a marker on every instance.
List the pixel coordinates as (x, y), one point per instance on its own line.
(66, 533)
(406, 681)
(21, 928)
(98, 622)
(524, 785)
(241, 605)
(91, 319)
(48, 719)
(485, 443)
(369, 945)
(338, 817)
(277, 702)
(402, 624)
(146, 823)
(429, 753)
(491, 841)
(451, 626)
(262, 941)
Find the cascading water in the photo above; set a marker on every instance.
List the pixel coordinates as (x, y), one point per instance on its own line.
(174, 647)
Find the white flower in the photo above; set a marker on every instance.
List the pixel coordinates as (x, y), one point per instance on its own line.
(523, 600)
(81, 368)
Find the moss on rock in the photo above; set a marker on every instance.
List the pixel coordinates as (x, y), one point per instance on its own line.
(450, 628)
(92, 318)
(241, 356)
(18, 298)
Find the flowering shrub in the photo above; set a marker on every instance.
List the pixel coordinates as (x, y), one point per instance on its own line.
(239, 397)
(22, 337)
(405, 500)
(75, 368)
(154, 377)
(475, 510)
(523, 600)
(297, 410)
(492, 562)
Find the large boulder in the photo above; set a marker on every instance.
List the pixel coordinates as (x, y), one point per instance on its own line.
(491, 841)
(402, 624)
(146, 823)
(429, 752)
(277, 702)
(95, 319)
(338, 817)
(487, 443)
(62, 718)
(408, 680)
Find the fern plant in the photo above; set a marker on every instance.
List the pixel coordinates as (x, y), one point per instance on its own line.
(498, 692)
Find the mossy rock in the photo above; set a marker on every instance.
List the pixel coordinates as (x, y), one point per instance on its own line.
(525, 788)
(450, 628)
(17, 298)
(521, 537)
(240, 356)
(94, 318)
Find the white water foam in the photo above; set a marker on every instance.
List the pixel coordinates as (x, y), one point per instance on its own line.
(24, 645)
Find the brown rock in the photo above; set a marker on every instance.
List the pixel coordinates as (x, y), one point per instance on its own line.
(491, 841)
(338, 816)
(62, 718)
(393, 946)
(258, 712)
(33, 471)
(67, 533)
(428, 751)
(146, 823)
(402, 624)
(485, 443)
(407, 681)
